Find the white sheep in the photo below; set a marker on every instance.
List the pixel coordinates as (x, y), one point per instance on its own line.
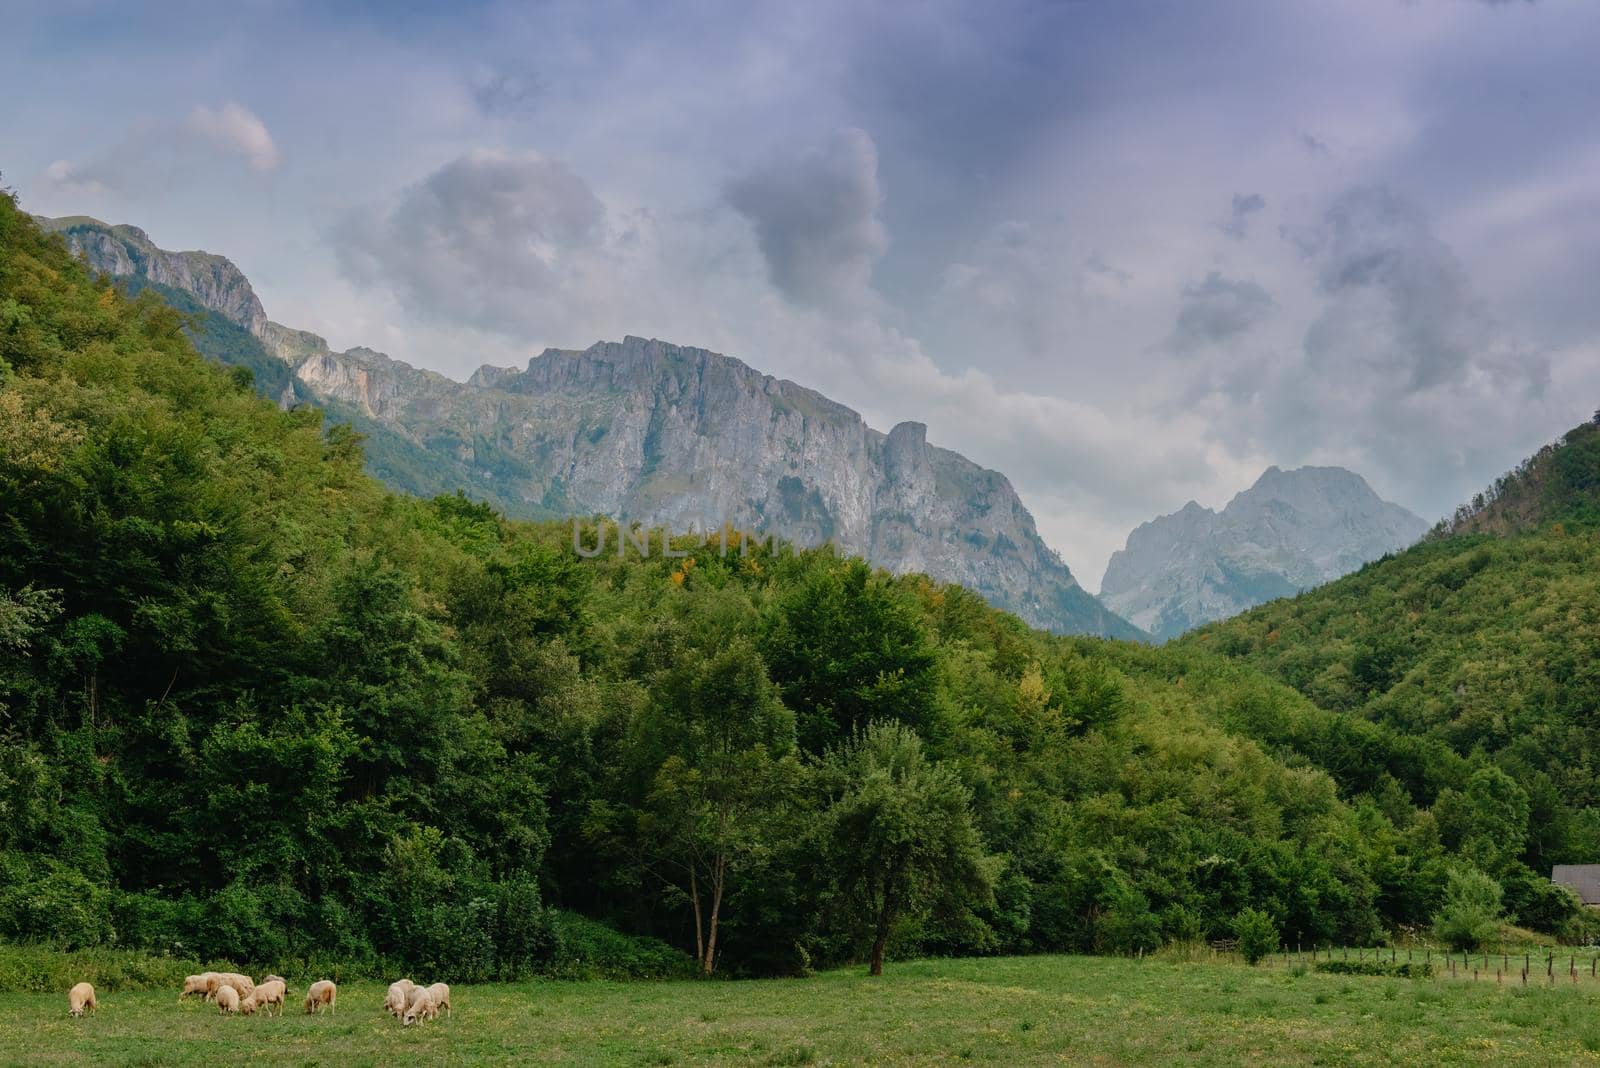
(440, 993)
(201, 984)
(227, 999)
(322, 992)
(420, 1008)
(394, 1003)
(268, 992)
(80, 999)
(242, 983)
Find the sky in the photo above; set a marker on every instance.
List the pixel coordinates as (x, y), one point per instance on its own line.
(1128, 253)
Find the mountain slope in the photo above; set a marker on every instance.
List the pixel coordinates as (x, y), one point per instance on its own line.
(651, 432)
(1290, 531)
(1559, 482)
(1482, 643)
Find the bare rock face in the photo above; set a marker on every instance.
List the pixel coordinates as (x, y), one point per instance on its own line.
(128, 250)
(661, 434)
(1290, 531)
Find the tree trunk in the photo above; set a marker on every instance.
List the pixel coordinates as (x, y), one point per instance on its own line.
(709, 962)
(886, 914)
(694, 896)
(880, 937)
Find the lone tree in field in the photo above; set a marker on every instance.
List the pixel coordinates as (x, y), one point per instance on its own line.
(897, 834)
(1470, 915)
(1257, 934)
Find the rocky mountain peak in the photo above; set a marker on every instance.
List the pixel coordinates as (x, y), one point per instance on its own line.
(1289, 531)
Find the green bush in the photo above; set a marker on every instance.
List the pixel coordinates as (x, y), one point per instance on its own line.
(1257, 934)
(1396, 969)
(1580, 930)
(58, 906)
(1470, 916)
(590, 950)
(44, 969)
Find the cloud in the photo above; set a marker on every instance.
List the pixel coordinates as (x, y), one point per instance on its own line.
(235, 128)
(1218, 310)
(500, 93)
(161, 154)
(495, 240)
(816, 219)
(1399, 302)
(1244, 205)
(1400, 372)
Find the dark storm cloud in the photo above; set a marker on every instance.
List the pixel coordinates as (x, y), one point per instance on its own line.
(1218, 310)
(816, 219)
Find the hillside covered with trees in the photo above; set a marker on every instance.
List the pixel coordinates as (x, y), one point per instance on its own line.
(1477, 648)
(254, 705)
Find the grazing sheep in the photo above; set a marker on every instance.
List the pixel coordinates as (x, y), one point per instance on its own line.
(440, 993)
(80, 999)
(322, 992)
(201, 984)
(394, 1003)
(420, 1008)
(227, 999)
(275, 979)
(242, 983)
(267, 994)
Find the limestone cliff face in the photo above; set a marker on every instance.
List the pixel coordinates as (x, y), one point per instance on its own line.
(658, 433)
(128, 250)
(1290, 531)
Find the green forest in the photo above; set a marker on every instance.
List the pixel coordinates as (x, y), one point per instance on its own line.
(256, 706)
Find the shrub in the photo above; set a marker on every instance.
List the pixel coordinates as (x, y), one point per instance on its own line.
(591, 950)
(1257, 934)
(1537, 902)
(1580, 930)
(1127, 925)
(45, 969)
(1398, 969)
(59, 906)
(1470, 915)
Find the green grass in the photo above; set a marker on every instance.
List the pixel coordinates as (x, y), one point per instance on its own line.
(1032, 1010)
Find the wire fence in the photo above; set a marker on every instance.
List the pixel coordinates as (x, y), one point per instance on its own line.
(1505, 968)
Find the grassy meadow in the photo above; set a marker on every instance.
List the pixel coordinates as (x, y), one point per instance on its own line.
(1027, 1010)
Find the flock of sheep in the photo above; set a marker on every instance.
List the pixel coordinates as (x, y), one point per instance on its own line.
(232, 992)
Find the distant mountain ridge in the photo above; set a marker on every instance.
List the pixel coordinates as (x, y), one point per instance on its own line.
(648, 431)
(1290, 531)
